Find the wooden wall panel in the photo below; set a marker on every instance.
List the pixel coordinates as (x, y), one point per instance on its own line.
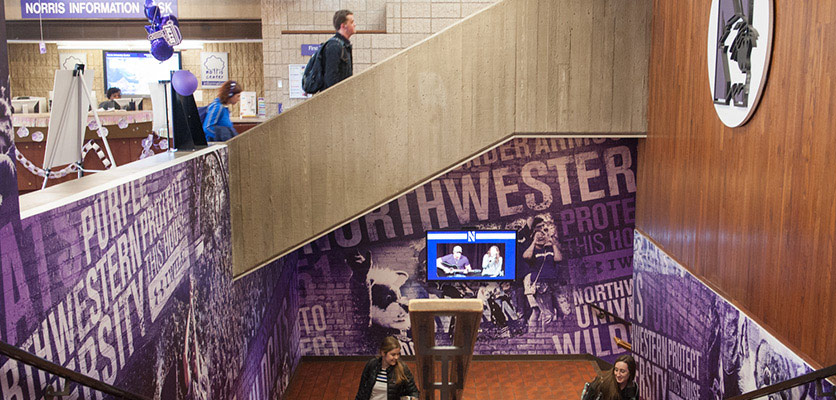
(751, 210)
(372, 137)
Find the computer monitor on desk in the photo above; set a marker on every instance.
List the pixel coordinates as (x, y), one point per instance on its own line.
(29, 105)
(129, 103)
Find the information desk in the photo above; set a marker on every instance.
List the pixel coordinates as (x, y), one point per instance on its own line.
(125, 142)
(126, 131)
(244, 124)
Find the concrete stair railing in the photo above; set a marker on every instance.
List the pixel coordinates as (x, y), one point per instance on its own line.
(518, 67)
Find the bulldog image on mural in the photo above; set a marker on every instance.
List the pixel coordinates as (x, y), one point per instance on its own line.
(388, 311)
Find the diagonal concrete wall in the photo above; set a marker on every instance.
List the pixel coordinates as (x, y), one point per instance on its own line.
(545, 67)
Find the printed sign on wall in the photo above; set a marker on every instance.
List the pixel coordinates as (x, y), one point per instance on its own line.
(133, 286)
(739, 47)
(572, 203)
(295, 72)
(91, 9)
(692, 344)
(214, 69)
(9, 209)
(310, 49)
(69, 60)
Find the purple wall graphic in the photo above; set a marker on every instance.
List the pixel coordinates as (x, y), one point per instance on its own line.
(133, 286)
(577, 193)
(690, 343)
(9, 210)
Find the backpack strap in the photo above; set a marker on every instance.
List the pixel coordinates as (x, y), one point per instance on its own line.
(340, 41)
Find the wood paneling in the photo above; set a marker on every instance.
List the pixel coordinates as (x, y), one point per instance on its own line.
(751, 210)
(372, 137)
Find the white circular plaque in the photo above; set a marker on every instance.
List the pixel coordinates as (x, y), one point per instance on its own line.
(739, 47)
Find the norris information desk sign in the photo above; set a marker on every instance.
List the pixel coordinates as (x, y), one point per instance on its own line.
(91, 9)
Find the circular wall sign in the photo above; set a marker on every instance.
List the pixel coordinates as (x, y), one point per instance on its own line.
(739, 47)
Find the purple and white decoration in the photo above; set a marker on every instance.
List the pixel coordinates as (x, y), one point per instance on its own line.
(164, 31)
(690, 343)
(9, 210)
(133, 286)
(576, 193)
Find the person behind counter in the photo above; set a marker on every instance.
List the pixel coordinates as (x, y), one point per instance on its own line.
(216, 124)
(112, 94)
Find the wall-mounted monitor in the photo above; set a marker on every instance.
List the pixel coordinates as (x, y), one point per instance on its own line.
(488, 255)
(132, 71)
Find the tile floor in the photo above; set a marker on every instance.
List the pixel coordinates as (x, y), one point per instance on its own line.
(487, 380)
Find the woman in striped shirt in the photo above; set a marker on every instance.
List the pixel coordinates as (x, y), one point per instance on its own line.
(385, 377)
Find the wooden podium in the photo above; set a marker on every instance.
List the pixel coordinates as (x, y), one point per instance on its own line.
(455, 359)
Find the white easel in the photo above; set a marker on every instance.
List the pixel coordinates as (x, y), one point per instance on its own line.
(68, 120)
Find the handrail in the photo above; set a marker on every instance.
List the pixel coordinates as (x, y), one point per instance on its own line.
(615, 317)
(55, 369)
(789, 384)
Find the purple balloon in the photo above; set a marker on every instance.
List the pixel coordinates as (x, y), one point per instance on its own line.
(169, 17)
(161, 50)
(184, 82)
(153, 14)
(150, 29)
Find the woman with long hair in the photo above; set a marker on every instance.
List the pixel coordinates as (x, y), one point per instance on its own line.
(492, 263)
(385, 377)
(616, 384)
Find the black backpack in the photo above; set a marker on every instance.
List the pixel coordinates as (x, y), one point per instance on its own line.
(313, 79)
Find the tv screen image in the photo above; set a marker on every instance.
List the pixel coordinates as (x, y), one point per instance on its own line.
(132, 71)
(482, 255)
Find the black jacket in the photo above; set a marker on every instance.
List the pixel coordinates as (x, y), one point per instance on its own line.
(337, 59)
(592, 391)
(395, 391)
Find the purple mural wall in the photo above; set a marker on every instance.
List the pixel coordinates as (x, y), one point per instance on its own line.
(691, 344)
(9, 210)
(133, 286)
(572, 201)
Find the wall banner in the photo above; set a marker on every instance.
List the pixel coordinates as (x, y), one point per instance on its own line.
(692, 344)
(214, 69)
(9, 209)
(572, 202)
(133, 286)
(92, 9)
(69, 60)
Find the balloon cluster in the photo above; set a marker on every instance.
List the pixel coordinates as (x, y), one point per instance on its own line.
(164, 32)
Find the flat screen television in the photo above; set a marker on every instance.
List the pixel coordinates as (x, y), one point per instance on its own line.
(480, 255)
(132, 71)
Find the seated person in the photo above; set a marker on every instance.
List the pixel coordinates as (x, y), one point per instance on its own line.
(112, 94)
(453, 263)
(492, 263)
(617, 383)
(216, 124)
